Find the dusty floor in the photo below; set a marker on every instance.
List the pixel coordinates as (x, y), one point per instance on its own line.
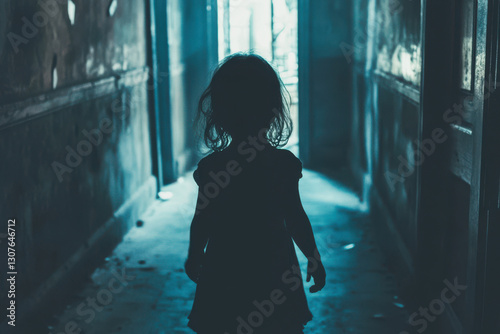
(153, 295)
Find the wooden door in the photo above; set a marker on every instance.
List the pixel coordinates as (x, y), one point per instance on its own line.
(450, 233)
(487, 301)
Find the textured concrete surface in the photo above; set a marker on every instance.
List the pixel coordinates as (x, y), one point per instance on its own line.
(38, 40)
(60, 205)
(156, 296)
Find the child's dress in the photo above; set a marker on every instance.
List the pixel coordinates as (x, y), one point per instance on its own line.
(250, 277)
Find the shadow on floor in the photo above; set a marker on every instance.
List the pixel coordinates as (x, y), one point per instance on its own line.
(142, 288)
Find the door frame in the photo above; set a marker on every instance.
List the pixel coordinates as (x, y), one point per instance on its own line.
(160, 111)
(477, 227)
(488, 272)
(304, 47)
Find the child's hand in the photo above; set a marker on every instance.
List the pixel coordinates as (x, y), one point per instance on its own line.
(316, 269)
(193, 267)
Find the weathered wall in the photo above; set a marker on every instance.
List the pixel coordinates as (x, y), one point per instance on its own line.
(385, 55)
(424, 142)
(58, 81)
(95, 46)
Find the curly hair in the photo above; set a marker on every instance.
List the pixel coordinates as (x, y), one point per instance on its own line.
(245, 96)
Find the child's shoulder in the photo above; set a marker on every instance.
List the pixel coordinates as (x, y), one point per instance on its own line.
(286, 154)
(282, 157)
(205, 165)
(208, 159)
(288, 163)
(283, 161)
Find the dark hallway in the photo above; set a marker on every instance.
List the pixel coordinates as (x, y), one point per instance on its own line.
(394, 105)
(361, 295)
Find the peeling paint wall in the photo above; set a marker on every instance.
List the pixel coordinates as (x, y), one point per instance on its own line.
(398, 41)
(74, 168)
(428, 185)
(395, 175)
(386, 55)
(95, 46)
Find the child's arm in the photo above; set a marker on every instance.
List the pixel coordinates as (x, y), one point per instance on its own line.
(197, 241)
(300, 229)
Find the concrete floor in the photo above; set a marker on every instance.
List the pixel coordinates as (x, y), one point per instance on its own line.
(156, 296)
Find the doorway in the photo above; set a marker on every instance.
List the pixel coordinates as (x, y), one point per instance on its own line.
(268, 28)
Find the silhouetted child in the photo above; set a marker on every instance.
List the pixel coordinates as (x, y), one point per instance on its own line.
(249, 209)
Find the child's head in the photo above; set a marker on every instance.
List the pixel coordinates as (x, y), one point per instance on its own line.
(245, 97)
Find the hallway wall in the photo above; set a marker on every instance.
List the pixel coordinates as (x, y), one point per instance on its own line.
(74, 136)
(417, 131)
(192, 31)
(324, 83)
(386, 118)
